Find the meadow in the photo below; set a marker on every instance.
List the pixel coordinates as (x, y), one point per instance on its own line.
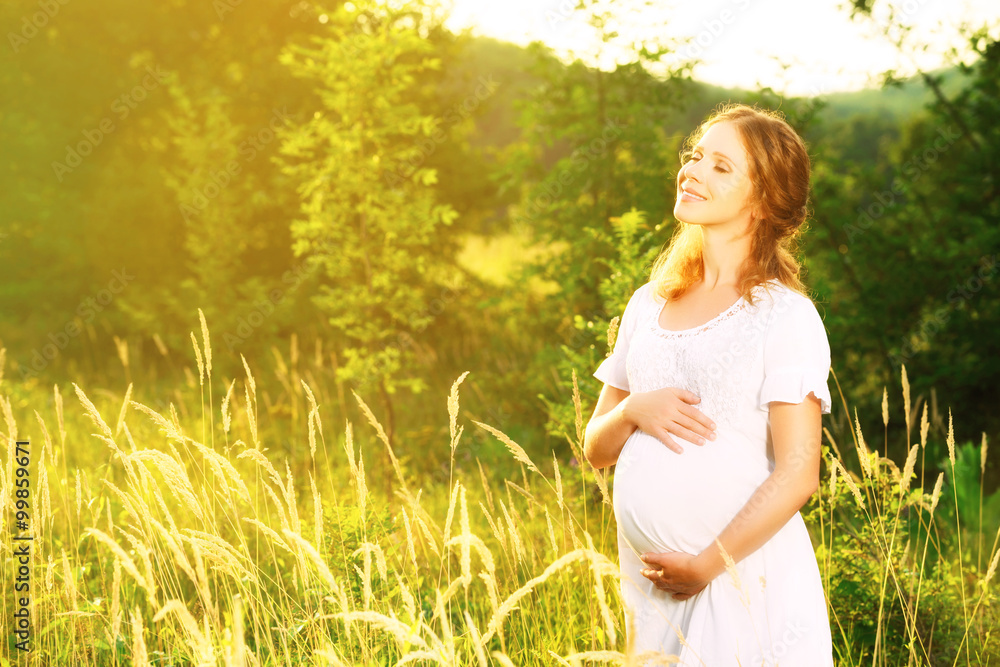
(229, 521)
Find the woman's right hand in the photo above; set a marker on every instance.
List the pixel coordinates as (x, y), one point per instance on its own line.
(670, 410)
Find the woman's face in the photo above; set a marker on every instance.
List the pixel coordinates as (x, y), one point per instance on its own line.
(717, 171)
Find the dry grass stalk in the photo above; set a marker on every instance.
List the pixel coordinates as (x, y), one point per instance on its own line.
(180, 558)
(911, 461)
(203, 584)
(486, 485)
(169, 428)
(124, 411)
(140, 658)
(258, 457)
(600, 566)
(144, 551)
(69, 582)
(288, 491)
(174, 474)
(404, 487)
(226, 414)
(197, 356)
(119, 553)
(595, 656)
(206, 341)
(234, 563)
(558, 476)
(253, 384)
(515, 449)
(906, 399)
(454, 429)
(515, 538)
(924, 427)
(734, 575)
(267, 530)
(863, 454)
(449, 517)
(236, 651)
(577, 420)
(982, 456)
(428, 535)
(314, 556)
(850, 483)
(552, 532)
(317, 511)
(477, 645)
(936, 495)
(57, 396)
(403, 634)
(992, 568)
(600, 476)
(251, 417)
(951, 440)
(224, 470)
(88, 407)
(201, 644)
(502, 659)
(510, 603)
(410, 545)
(116, 610)
(409, 602)
(496, 527)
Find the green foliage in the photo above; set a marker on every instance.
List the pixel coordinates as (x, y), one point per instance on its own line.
(592, 342)
(371, 223)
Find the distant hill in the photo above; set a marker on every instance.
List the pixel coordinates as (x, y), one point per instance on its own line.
(511, 66)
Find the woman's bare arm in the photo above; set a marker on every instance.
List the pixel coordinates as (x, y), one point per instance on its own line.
(609, 427)
(796, 430)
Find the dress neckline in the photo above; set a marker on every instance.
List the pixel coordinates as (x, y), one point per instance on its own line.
(678, 333)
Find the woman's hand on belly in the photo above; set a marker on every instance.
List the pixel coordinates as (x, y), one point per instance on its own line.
(670, 410)
(675, 572)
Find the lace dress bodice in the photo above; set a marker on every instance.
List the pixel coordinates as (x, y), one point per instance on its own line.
(775, 348)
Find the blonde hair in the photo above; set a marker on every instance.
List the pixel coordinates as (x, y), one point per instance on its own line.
(779, 170)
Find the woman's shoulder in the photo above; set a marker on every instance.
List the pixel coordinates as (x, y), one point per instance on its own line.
(778, 294)
(644, 295)
(785, 306)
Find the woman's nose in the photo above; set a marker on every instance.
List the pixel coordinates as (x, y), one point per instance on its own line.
(691, 171)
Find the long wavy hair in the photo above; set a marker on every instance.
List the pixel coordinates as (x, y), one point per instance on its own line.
(779, 171)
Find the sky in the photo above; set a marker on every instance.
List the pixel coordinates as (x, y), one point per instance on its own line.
(797, 47)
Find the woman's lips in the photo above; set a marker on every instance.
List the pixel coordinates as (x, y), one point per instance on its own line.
(686, 197)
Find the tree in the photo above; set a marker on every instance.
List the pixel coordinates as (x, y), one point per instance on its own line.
(371, 223)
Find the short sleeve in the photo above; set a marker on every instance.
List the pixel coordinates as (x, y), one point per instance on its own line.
(612, 369)
(796, 353)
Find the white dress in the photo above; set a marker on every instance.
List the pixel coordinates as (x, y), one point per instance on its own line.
(747, 356)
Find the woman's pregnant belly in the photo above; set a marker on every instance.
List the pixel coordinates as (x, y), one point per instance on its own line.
(666, 501)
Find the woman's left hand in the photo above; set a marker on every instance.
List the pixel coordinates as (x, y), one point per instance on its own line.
(675, 572)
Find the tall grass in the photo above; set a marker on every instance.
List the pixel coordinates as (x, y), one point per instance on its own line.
(238, 532)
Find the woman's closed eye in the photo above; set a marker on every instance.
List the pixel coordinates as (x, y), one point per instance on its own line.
(717, 167)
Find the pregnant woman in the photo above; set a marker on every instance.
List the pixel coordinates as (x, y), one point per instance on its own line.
(712, 409)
